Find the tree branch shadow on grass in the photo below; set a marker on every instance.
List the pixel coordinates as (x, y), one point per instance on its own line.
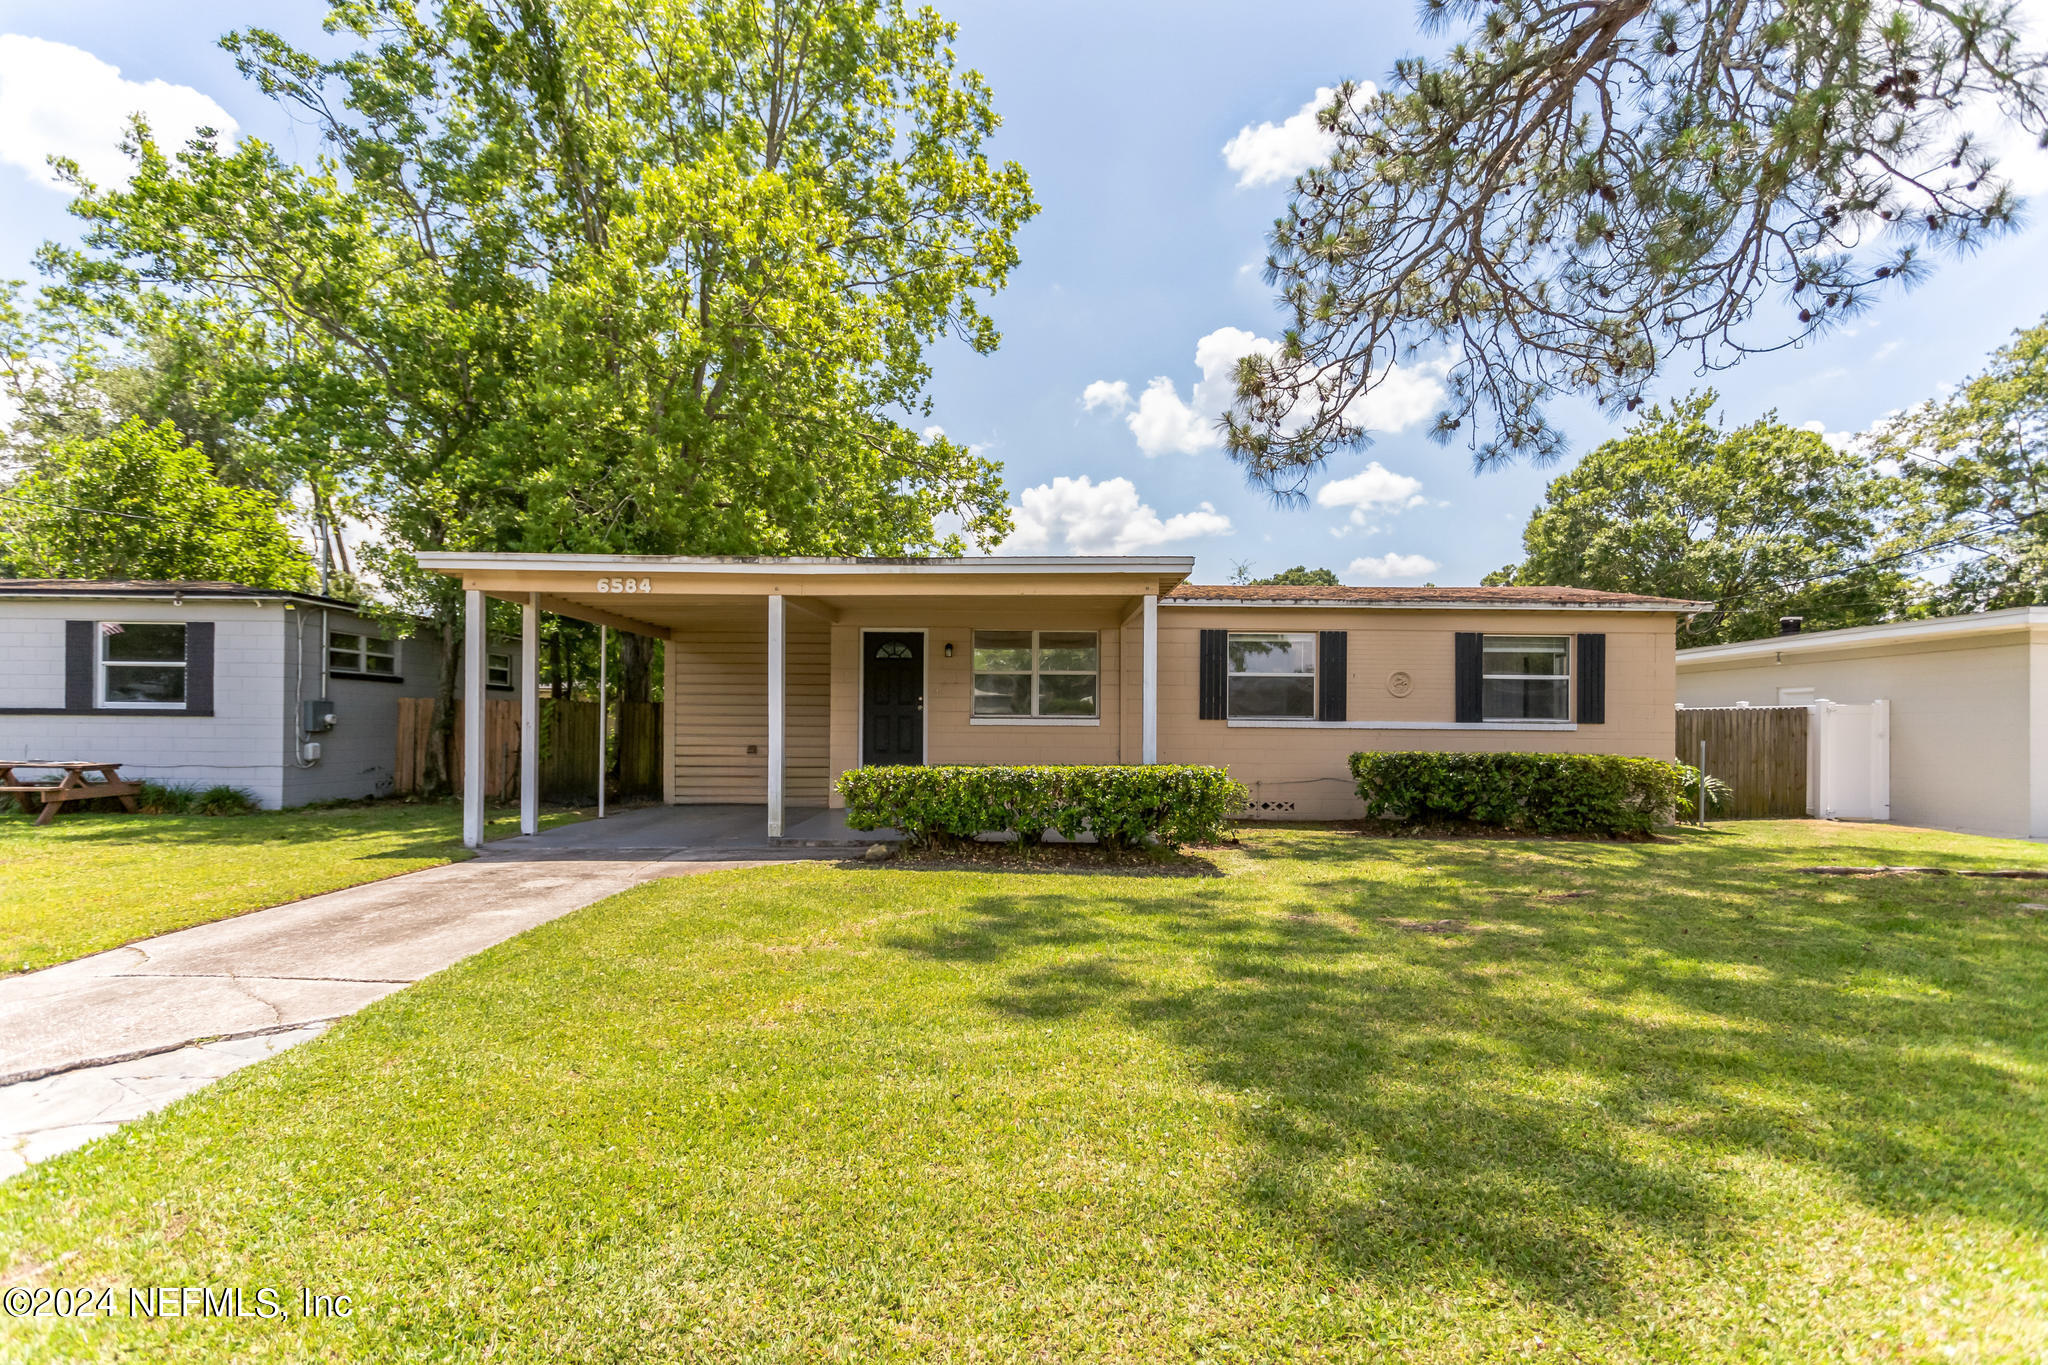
(1415, 1101)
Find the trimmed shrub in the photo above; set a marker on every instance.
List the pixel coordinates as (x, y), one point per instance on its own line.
(1543, 793)
(1123, 807)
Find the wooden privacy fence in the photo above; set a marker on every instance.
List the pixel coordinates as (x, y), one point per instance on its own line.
(1759, 751)
(501, 746)
(568, 748)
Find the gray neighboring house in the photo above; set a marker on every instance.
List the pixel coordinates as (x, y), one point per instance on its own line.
(211, 683)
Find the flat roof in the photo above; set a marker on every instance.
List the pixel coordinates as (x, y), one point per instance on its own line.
(2013, 619)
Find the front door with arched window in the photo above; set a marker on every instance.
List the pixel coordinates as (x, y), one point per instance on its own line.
(892, 698)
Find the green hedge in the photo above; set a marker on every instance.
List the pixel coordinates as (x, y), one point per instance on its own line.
(1122, 807)
(1546, 793)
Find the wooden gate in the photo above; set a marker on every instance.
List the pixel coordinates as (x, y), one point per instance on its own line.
(639, 749)
(568, 751)
(1759, 751)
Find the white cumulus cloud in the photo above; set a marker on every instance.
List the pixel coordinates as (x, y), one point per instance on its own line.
(1165, 423)
(1080, 516)
(1391, 568)
(59, 100)
(1103, 393)
(1373, 489)
(1273, 152)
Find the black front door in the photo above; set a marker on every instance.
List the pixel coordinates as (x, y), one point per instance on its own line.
(892, 698)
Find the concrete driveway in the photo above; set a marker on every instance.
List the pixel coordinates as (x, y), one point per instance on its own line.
(71, 1036)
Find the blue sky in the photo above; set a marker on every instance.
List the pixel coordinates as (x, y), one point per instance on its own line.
(1147, 253)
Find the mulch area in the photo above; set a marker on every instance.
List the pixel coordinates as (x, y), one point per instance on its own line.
(1390, 829)
(1060, 859)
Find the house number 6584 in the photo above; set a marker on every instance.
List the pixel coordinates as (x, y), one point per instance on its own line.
(625, 585)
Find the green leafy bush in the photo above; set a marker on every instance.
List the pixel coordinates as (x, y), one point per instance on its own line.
(166, 798)
(225, 800)
(1544, 793)
(1123, 807)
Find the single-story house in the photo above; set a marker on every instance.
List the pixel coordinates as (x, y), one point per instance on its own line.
(292, 696)
(1969, 706)
(783, 673)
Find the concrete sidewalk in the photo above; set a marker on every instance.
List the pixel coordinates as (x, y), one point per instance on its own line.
(274, 972)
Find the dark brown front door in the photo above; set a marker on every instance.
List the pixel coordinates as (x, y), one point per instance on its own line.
(892, 698)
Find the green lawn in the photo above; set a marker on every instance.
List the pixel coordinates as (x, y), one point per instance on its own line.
(90, 881)
(1351, 1100)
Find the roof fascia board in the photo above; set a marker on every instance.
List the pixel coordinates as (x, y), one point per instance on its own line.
(1011, 565)
(1355, 604)
(2012, 619)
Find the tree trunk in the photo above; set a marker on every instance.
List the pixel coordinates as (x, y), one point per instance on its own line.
(441, 762)
(556, 666)
(636, 667)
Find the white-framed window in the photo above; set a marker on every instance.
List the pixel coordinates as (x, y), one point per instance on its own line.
(142, 664)
(1526, 677)
(498, 668)
(354, 652)
(1049, 674)
(1272, 676)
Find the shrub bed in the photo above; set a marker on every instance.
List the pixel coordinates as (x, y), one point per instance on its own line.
(1123, 807)
(1543, 793)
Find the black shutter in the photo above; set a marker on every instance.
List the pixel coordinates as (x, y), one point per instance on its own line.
(1592, 680)
(1332, 673)
(80, 638)
(1469, 688)
(1215, 679)
(199, 668)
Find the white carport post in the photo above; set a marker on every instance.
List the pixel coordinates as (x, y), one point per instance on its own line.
(473, 718)
(529, 715)
(775, 706)
(1151, 683)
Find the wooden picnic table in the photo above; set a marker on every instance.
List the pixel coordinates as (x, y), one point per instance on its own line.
(73, 786)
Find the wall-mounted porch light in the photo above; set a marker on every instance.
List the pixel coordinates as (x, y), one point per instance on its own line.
(949, 649)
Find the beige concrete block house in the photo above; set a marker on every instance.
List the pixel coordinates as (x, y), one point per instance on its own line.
(784, 673)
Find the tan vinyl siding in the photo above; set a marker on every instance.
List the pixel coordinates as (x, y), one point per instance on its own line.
(717, 689)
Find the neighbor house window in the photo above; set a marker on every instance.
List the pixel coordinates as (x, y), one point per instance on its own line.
(142, 663)
(1527, 677)
(1052, 674)
(1272, 677)
(498, 670)
(349, 653)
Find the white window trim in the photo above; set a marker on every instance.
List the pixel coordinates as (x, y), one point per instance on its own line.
(101, 662)
(491, 657)
(1034, 718)
(1570, 676)
(362, 652)
(1315, 689)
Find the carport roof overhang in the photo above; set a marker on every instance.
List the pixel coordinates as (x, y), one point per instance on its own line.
(643, 593)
